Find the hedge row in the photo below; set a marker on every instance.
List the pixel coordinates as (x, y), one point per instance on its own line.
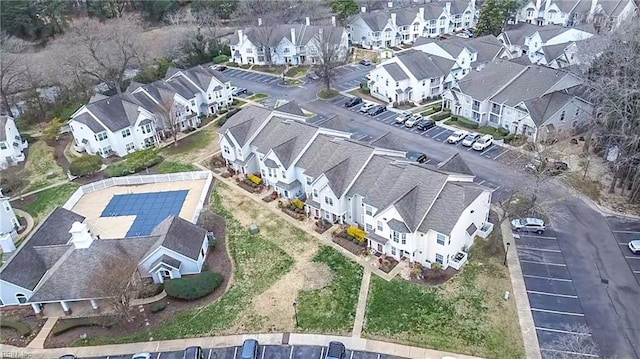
(66, 325)
(134, 163)
(432, 110)
(441, 116)
(220, 59)
(19, 326)
(85, 165)
(194, 286)
(464, 122)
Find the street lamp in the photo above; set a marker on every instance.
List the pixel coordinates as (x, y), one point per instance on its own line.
(505, 254)
(295, 310)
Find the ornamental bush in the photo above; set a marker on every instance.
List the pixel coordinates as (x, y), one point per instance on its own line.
(194, 286)
(220, 59)
(356, 233)
(255, 179)
(298, 203)
(85, 165)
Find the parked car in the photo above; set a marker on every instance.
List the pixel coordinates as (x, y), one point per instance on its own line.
(457, 136)
(141, 356)
(335, 350)
(403, 117)
(237, 91)
(376, 110)
(528, 225)
(469, 139)
(353, 101)
(412, 121)
(365, 62)
(366, 107)
(312, 75)
(193, 353)
(634, 246)
(426, 124)
(417, 157)
(483, 143)
(220, 68)
(249, 349)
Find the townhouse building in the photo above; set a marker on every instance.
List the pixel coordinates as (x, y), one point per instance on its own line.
(468, 53)
(9, 225)
(392, 27)
(12, 145)
(145, 114)
(409, 211)
(533, 100)
(287, 44)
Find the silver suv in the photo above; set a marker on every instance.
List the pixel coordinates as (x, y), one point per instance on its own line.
(535, 225)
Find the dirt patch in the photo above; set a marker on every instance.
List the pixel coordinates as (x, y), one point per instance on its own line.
(23, 314)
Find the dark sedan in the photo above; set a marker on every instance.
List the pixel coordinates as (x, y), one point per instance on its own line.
(376, 110)
(417, 157)
(424, 125)
(353, 101)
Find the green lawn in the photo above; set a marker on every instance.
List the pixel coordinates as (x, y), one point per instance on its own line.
(497, 133)
(41, 168)
(324, 94)
(333, 308)
(174, 167)
(465, 315)
(45, 201)
(259, 263)
(258, 96)
(190, 143)
(275, 70)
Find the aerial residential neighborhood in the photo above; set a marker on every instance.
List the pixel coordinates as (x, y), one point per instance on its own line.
(335, 179)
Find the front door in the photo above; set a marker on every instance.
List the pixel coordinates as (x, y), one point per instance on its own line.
(380, 248)
(165, 275)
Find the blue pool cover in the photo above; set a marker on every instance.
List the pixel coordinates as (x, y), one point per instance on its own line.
(149, 208)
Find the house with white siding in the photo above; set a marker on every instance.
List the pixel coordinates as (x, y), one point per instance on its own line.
(144, 114)
(468, 53)
(287, 44)
(12, 145)
(9, 225)
(409, 211)
(391, 27)
(533, 100)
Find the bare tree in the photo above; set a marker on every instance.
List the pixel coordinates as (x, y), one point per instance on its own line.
(169, 109)
(11, 69)
(117, 282)
(104, 50)
(332, 53)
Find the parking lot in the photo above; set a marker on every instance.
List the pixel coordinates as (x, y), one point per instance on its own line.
(266, 352)
(557, 313)
(494, 152)
(624, 231)
(348, 83)
(252, 76)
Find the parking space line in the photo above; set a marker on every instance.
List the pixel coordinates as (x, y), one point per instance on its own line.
(291, 352)
(263, 352)
(541, 277)
(632, 232)
(159, 353)
(235, 352)
(540, 249)
(530, 236)
(570, 353)
(211, 350)
(505, 151)
(552, 294)
(543, 263)
(443, 131)
(632, 257)
(623, 243)
(561, 331)
(321, 353)
(481, 182)
(557, 312)
(636, 271)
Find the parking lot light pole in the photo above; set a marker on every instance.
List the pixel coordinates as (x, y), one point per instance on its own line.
(505, 254)
(295, 310)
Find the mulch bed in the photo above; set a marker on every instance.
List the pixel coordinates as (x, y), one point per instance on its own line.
(430, 277)
(348, 245)
(218, 260)
(23, 314)
(249, 188)
(386, 264)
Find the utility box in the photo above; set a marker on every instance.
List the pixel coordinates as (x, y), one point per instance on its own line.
(253, 229)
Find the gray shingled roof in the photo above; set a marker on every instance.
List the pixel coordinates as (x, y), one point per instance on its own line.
(290, 107)
(390, 141)
(375, 20)
(398, 226)
(542, 108)
(288, 186)
(395, 71)
(455, 164)
(168, 261)
(424, 66)
(553, 52)
(116, 112)
(410, 188)
(181, 236)
(88, 120)
(483, 84)
(40, 251)
(448, 207)
(72, 278)
(270, 163)
(339, 159)
(273, 35)
(245, 123)
(287, 138)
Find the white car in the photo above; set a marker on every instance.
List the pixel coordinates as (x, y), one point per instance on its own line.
(412, 121)
(528, 225)
(403, 117)
(469, 139)
(141, 356)
(482, 143)
(366, 107)
(634, 246)
(457, 136)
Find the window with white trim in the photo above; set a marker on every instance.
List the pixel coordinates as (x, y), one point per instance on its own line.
(309, 180)
(379, 226)
(226, 150)
(3, 146)
(101, 136)
(126, 132)
(328, 200)
(368, 227)
(403, 238)
(368, 210)
(130, 146)
(7, 207)
(439, 258)
(21, 298)
(396, 236)
(393, 251)
(315, 193)
(284, 174)
(441, 238)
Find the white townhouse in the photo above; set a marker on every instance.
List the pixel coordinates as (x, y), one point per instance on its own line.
(287, 44)
(391, 27)
(11, 143)
(9, 225)
(604, 14)
(144, 114)
(411, 76)
(60, 261)
(409, 211)
(551, 45)
(468, 53)
(533, 100)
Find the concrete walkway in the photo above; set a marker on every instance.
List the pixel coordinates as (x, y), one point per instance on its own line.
(362, 304)
(391, 349)
(53, 185)
(38, 341)
(30, 223)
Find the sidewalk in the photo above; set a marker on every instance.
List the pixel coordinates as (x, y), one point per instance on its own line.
(232, 340)
(54, 185)
(38, 341)
(362, 304)
(30, 223)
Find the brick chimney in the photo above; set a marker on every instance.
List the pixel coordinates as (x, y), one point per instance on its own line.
(240, 37)
(363, 9)
(293, 35)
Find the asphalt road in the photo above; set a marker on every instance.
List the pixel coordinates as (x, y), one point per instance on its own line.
(596, 278)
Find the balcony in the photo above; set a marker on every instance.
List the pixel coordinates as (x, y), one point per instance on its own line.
(458, 260)
(486, 230)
